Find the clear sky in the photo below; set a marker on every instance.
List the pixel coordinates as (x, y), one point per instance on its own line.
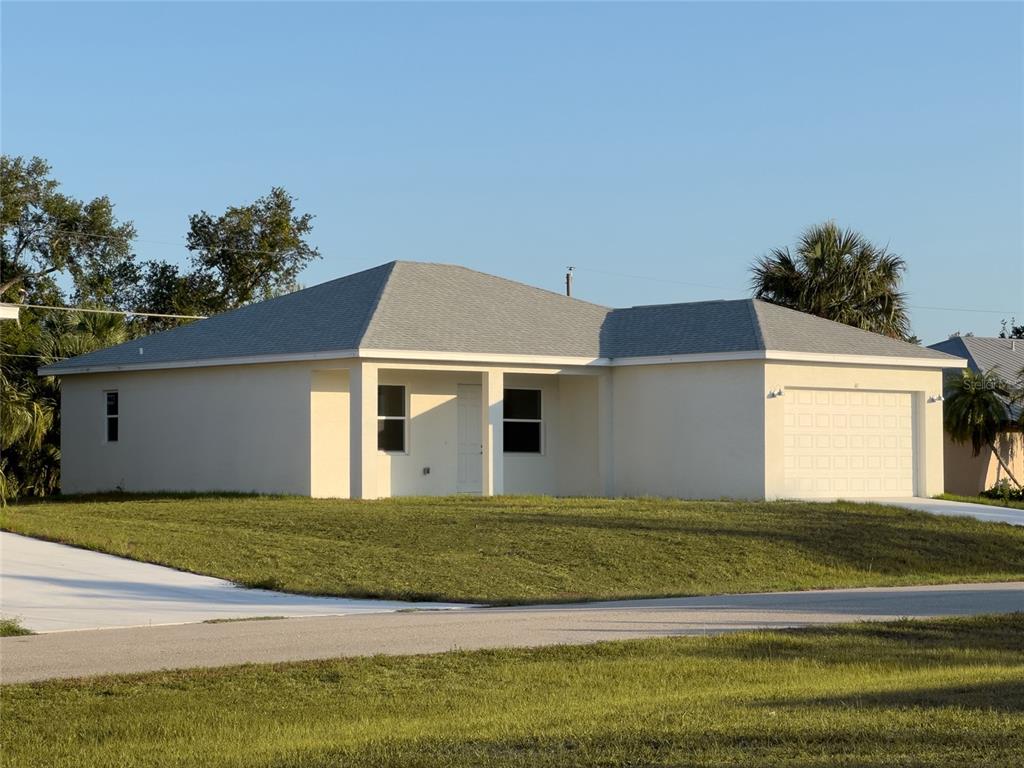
(669, 143)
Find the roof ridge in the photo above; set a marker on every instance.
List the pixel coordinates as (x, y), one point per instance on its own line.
(755, 318)
(520, 283)
(371, 315)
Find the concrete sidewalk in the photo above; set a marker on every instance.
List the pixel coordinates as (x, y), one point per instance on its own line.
(983, 512)
(80, 654)
(51, 587)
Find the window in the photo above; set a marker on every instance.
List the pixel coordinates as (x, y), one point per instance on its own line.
(391, 418)
(112, 417)
(522, 421)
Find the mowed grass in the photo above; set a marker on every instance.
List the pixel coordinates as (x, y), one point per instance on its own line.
(912, 693)
(521, 550)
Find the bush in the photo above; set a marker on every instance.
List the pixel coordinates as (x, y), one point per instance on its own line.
(1004, 492)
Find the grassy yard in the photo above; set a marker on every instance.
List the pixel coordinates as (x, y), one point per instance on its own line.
(517, 549)
(984, 500)
(925, 693)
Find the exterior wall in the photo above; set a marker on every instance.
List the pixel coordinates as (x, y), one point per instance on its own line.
(579, 436)
(689, 430)
(240, 428)
(921, 383)
(968, 475)
(328, 425)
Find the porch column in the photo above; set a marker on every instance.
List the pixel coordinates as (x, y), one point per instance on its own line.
(605, 437)
(362, 427)
(492, 397)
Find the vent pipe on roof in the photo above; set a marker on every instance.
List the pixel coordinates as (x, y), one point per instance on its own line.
(568, 280)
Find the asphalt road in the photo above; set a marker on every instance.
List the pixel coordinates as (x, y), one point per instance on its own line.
(141, 649)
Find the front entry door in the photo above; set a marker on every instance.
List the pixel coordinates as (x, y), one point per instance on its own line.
(471, 449)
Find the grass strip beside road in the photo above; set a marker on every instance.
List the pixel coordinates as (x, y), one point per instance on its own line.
(909, 693)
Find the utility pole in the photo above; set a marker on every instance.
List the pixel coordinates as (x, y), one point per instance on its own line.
(568, 280)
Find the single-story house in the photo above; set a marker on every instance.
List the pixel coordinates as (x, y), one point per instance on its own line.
(967, 474)
(422, 379)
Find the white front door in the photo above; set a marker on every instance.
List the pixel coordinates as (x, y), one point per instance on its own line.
(471, 464)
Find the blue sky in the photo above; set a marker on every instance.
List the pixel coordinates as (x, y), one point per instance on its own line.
(672, 143)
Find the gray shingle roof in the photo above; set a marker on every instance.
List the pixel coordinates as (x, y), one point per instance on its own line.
(987, 353)
(444, 308)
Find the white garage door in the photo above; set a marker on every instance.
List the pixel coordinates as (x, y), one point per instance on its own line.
(847, 443)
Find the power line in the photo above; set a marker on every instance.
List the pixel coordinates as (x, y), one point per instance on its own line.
(111, 312)
(33, 357)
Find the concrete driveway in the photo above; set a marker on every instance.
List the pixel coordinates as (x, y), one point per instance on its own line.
(52, 587)
(116, 651)
(982, 512)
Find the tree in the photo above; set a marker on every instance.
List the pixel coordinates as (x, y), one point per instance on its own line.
(249, 253)
(976, 412)
(839, 275)
(1011, 330)
(45, 233)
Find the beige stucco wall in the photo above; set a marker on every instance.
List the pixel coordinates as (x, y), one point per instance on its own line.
(922, 383)
(968, 475)
(285, 429)
(690, 430)
(242, 428)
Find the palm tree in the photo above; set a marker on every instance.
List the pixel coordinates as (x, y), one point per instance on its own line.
(976, 411)
(839, 275)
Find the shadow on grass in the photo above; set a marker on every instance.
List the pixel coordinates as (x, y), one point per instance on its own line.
(1002, 696)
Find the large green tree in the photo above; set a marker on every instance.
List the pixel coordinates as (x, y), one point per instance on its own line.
(837, 274)
(46, 234)
(248, 253)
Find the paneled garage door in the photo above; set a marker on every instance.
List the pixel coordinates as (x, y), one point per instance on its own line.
(847, 443)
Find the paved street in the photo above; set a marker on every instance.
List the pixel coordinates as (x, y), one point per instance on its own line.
(71, 654)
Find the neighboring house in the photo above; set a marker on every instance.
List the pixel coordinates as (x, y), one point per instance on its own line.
(967, 474)
(414, 378)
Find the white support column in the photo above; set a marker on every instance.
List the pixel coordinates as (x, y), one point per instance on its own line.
(605, 437)
(362, 425)
(492, 392)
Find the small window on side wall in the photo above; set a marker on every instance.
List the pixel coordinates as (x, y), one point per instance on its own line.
(391, 418)
(523, 425)
(113, 416)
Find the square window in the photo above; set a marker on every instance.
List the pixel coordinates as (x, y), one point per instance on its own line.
(522, 404)
(391, 401)
(522, 437)
(391, 435)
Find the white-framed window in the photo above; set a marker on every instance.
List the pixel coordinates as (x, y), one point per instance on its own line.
(391, 418)
(112, 417)
(523, 426)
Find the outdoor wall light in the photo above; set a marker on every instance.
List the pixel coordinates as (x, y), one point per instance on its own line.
(776, 392)
(936, 399)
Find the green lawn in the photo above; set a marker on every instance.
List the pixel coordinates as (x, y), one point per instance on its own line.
(517, 549)
(984, 500)
(927, 693)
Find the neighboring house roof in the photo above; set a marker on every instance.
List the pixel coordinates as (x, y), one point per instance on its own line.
(412, 306)
(988, 353)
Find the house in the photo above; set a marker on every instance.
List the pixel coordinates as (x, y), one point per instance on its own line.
(413, 378)
(967, 474)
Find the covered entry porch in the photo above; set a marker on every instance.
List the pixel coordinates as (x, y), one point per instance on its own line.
(382, 429)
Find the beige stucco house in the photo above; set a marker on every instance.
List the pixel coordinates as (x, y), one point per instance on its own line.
(967, 474)
(414, 378)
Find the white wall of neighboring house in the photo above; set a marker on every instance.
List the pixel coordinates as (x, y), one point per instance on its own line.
(968, 475)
